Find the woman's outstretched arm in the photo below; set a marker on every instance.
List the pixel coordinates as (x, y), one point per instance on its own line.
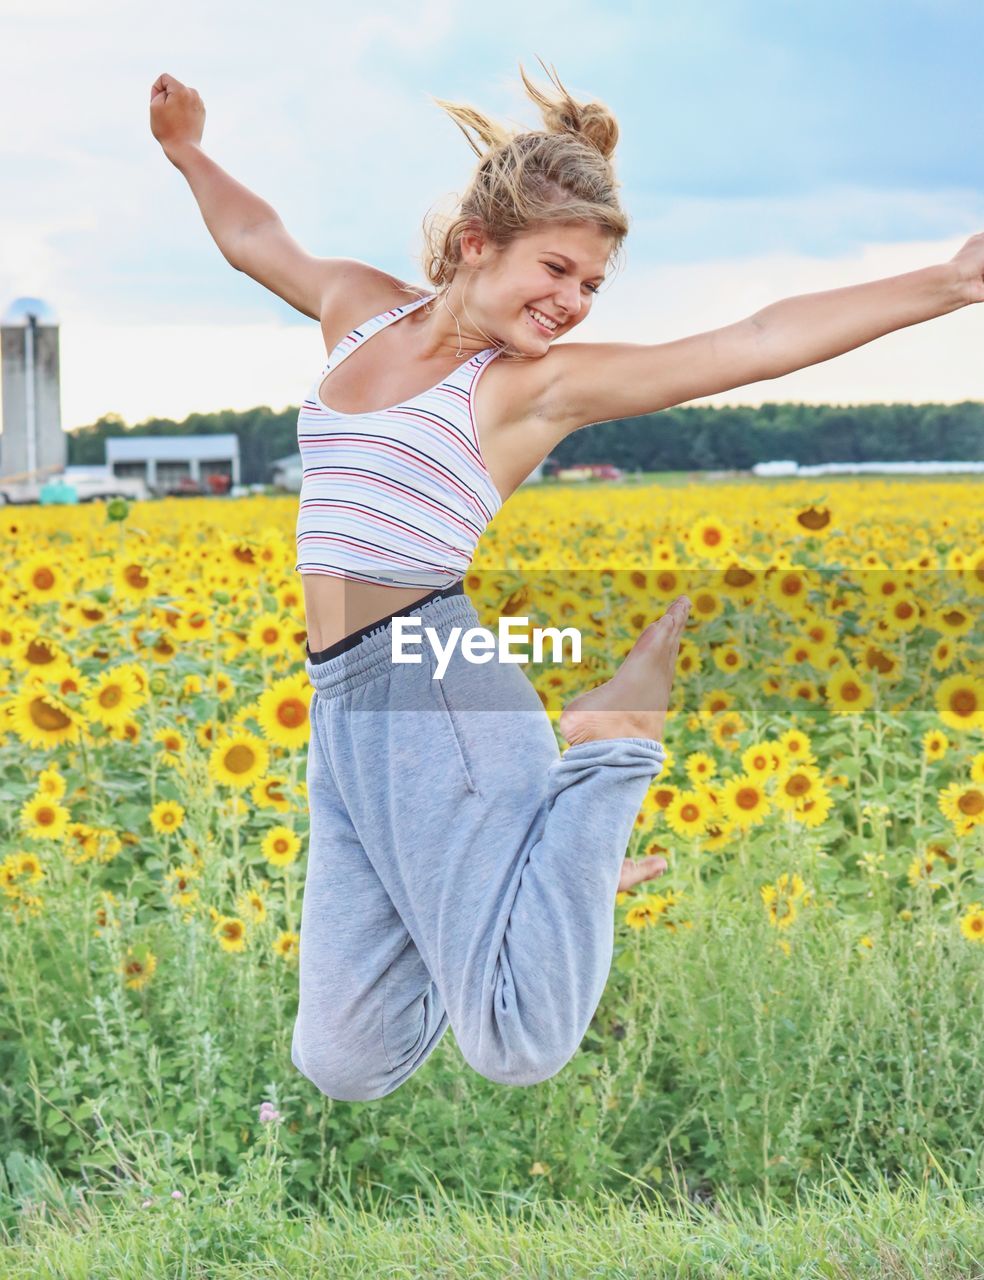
(248, 231)
(177, 121)
(587, 382)
(814, 327)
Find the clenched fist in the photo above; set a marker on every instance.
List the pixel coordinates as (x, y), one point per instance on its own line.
(177, 113)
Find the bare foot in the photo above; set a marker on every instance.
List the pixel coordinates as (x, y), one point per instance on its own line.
(634, 873)
(633, 703)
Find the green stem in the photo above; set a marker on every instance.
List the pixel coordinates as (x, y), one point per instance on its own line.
(856, 731)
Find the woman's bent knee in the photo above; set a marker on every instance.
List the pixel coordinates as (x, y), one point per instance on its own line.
(515, 1069)
(340, 1076)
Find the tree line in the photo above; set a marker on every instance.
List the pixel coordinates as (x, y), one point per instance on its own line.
(685, 438)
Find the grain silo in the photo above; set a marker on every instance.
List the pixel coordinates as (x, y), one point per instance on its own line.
(33, 443)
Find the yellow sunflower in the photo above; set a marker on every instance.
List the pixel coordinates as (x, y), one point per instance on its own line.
(280, 846)
(115, 696)
(44, 576)
(42, 719)
(663, 796)
(270, 634)
(172, 744)
(798, 650)
(286, 945)
(282, 711)
(972, 924)
(700, 767)
(963, 803)
(51, 783)
(42, 818)
(796, 786)
(935, 744)
(688, 813)
(960, 701)
(953, 620)
(902, 613)
(646, 912)
(782, 907)
(705, 604)
(847, 694)
(789, 589)
(134, 579)
(794, 746)
(728, 658)
(231, 933)
(727, 729)
(251, 904)
(138, 966)
(944, 653)
(167, 816)
(744, 801)
(715, 701)
(708, 536)
(238, 760)
(814, 809)
(921, 871)
(758, 759)
(270, 793)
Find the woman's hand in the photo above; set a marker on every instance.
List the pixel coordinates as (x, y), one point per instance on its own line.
(177, 113)
(970, 267)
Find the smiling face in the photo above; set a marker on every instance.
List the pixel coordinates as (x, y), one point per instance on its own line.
(554, 271)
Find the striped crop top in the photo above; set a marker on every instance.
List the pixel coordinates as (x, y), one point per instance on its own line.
(400, 496)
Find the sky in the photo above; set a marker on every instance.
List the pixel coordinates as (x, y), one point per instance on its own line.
(767, 149)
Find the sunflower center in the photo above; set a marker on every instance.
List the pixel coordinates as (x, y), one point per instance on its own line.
(45, 716)
(239, 759)
(292, 711)
(964, 702)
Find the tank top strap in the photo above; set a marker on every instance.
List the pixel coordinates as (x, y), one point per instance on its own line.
(355, 337)
(465, 375)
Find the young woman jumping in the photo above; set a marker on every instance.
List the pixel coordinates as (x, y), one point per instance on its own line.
(461, 870)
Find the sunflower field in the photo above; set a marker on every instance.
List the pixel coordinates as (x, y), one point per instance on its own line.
(805, 982)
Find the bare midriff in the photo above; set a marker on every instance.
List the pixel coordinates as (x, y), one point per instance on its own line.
(337, 607)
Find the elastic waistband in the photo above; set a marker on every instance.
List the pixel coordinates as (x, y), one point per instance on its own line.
(373, 656)
(408, 610)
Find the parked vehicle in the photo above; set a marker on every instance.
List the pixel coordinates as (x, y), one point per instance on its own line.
(52, 485)
(188, 487)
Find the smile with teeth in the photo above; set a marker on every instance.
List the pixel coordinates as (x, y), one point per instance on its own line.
(540, 319)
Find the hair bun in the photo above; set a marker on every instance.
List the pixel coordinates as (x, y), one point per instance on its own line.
(591, 121)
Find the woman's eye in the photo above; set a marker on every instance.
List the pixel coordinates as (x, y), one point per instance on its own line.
(553, 267)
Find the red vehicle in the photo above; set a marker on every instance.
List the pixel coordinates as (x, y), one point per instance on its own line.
(189, 487)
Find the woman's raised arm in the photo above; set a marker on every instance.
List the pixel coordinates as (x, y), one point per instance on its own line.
(249, 232)
(177, 120)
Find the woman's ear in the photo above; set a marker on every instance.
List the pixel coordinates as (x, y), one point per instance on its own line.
(476, 248)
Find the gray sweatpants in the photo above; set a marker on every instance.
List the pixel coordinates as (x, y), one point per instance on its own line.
(460, 869)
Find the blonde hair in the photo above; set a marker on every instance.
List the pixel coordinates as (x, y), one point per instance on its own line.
(562, 173)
